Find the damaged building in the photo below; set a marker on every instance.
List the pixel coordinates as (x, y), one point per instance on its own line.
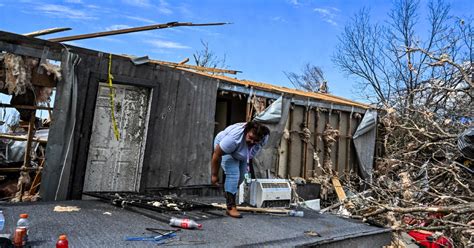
(119, 123)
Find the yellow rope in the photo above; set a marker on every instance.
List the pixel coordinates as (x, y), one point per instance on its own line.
(110, 77)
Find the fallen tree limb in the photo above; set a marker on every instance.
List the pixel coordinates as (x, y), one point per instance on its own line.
(459, 209)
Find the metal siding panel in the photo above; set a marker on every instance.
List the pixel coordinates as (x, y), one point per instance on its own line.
(158, 169)
(187, 105)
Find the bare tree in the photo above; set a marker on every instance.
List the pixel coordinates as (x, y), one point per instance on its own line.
(395, 63)
(423, 81)
(207, 58)
(311, 79)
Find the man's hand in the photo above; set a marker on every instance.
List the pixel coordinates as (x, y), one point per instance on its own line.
(215, 179)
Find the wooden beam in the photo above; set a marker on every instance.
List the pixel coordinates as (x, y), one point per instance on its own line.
(256, 210)
(21, 138)
(37, 180)
(46, 31)
(132, 30)
(184, 61)
(339, 190)
(31, 133)
(193, 67)
(4, 105)
(305, 144)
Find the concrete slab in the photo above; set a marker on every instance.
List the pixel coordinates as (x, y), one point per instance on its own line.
(91, 227)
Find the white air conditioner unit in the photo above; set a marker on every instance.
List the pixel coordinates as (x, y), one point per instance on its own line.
(270, 193)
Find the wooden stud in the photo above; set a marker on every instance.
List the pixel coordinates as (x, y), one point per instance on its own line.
(31, 132)
(348, 143)
(288, 157)
(305, 144)
(338, 141)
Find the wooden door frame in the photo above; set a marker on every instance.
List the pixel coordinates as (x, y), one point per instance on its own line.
(81, 157)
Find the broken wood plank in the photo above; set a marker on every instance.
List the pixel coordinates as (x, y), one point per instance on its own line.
(37, 180)
(184, 61)
(46, 31)
(193, 67)
(253, 209)
(338, 187)
(132, 30)
(31, 133)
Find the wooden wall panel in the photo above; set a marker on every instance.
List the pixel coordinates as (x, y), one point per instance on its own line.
(296, 153)
(343, 141)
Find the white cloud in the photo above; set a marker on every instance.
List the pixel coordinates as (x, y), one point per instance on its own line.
(139, 3)
(328, 15)
(108, 39)
(62, 11)
(186, 11)
(73, 1)
(164, 8)
(117, 27)
(278, 19)
(136, 18)
(167, 44)
(91, 6)
(294, 2)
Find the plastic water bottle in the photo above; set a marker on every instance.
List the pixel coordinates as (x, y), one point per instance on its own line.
(185, 223)
(24, 223)
(296, 213)
(2, 221)
(62, 242)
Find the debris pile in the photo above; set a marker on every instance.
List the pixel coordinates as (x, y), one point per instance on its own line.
(423, 182)
(30, 82)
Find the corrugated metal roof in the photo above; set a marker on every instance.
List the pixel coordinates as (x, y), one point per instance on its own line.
(280, 89)
(262, 86)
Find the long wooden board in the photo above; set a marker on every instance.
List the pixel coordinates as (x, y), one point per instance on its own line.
(338, 187)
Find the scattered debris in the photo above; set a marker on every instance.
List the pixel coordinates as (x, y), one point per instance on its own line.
(66, 208)
(312, 233)
(421, 184)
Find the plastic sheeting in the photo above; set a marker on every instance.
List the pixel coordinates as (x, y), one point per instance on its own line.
(364, 142)
(13, 151)
(275, 118)
(272, 114)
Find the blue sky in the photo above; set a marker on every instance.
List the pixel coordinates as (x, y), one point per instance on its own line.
(265, 39)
